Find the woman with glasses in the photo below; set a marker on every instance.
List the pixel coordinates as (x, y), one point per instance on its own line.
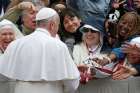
(90, 46)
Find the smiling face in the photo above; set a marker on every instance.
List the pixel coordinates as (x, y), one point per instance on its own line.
(71, 24)
(133, 58)
(7, 35)
(136, 4)
(126, 25)
(91, 38)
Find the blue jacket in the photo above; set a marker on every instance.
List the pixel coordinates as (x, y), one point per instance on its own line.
(96, 8)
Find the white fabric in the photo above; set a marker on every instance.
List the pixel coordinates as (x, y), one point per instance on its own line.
(101, 70)
(39, 87)
(6, 23)
(90, 27)
(136, 41)
(70, 86)
(80, 51)
(37, 57)
(66, 86)
(81, 56)
(42, 14)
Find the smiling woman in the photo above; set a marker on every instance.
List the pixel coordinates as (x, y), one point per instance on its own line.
(8, 33)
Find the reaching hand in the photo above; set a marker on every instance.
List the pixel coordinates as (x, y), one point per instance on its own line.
(103, 61)
(123, 73)
(85, 74)
(131, 49)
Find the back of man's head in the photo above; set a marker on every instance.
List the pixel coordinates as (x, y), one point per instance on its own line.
(48, 18)
(45, 13)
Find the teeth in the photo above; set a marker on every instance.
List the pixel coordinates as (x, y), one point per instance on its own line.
(124, 31)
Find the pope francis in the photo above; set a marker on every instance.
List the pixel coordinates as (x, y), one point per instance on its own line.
(40, 62)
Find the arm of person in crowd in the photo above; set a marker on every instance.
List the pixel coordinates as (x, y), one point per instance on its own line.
(129, 48)
(13, 13)
(124, 72)
(106, 60)
(116, 54)
(134, 50)
(70, 86)
(137, 69)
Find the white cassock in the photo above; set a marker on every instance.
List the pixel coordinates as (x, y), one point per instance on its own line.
(41, 64)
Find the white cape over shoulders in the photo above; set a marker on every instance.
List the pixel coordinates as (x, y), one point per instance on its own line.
(38, 57)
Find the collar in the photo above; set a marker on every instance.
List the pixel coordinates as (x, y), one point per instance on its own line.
(26, 31)
(43, 30)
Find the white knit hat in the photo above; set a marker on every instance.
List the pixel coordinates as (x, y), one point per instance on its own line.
(136, 41)
(45, 13)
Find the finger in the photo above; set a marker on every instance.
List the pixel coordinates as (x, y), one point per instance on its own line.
(117, 73)
(116, 77)
(95, 59)
(119, 78)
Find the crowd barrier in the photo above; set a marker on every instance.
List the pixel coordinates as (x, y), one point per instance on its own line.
(131, 85)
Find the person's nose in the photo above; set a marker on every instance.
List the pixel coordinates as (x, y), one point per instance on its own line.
(8, 38)
(125, 25)
(70, 23)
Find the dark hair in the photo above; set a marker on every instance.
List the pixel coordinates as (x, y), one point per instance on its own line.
(70, 12)
(67, 12)
(4, 4)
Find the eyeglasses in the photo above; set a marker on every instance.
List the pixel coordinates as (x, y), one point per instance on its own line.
(85, 30)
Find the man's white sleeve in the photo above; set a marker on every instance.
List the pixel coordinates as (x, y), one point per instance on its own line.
(70, 86)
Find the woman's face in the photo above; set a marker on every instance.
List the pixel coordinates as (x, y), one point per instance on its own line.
(71, 24)
(91, 37)
(133, 58)
(125, 25)
(136, 4)
(6, 36)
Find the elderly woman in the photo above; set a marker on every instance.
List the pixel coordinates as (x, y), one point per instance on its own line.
(8, 33)
(90, 46)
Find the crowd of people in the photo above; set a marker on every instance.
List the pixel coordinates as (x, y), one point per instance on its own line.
(52, 45)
